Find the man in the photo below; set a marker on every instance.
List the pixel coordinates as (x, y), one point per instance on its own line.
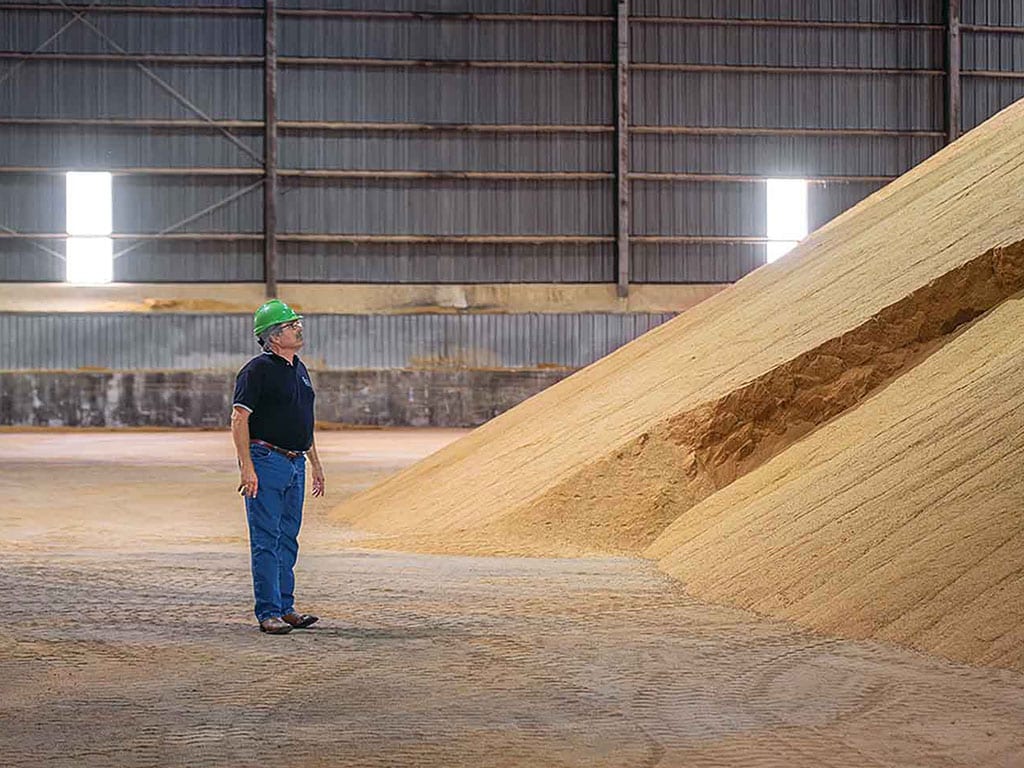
(272, 427)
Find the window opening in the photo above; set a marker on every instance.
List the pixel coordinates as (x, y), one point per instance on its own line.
(89, 223)
(787, 215)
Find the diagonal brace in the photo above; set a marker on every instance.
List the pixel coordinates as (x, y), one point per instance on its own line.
(38, 245)
(77, 15)
(164, 85)
(197, 215)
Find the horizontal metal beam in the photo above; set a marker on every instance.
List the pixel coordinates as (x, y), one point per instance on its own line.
(430, 16)
(163, 10)
(310, 237)
(696, 130)
(323, 237)
(149, 58)
(327, 125)
(341, 126)
(127, 122)
(768, 70)
(206, 171)
(4, 235)
(745, 179)
(406, 175)
(348, 62)
(992, 29)
(337, 61)
(994, 74)
(683, 239)
(791, 23)
(329, 173)
(444, 239)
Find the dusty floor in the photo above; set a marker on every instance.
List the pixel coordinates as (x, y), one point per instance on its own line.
(128, 641)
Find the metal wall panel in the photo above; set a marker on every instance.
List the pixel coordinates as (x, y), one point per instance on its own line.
(826, 201)
(334, 342)
(997, 13)
(447, 150)
(107, 147)
(147, 204)
(446, 39)
(886, 48)
(699, 208)
(693, 262)
(31, 202)
(22, 261)
(992, 51)
(797, 100)
(76, 89)
(452, 94)
(143, 33)
(878, 11)
(983, 97)
(447, 263)
(189, 262)
(448, 207)
(437, 95)
(781, 155)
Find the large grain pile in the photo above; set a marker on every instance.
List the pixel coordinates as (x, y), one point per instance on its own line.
(902, 520)
(607, 459)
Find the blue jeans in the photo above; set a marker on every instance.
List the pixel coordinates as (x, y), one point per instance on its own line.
(274, 516)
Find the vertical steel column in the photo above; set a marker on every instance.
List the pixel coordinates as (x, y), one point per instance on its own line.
(952, 70)
(622, 147)
(270, 147)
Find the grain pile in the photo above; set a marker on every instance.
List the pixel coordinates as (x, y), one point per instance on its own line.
(901, 520)
(609, 458)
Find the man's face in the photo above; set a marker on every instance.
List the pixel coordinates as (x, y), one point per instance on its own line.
(291, 335)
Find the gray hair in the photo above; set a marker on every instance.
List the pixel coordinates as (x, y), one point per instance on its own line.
(269, 335)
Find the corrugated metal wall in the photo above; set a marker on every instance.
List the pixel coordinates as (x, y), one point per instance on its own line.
(993, 58)
(195, 342)
(846, 93)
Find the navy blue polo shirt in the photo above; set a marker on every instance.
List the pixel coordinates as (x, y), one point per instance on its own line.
(280, 397)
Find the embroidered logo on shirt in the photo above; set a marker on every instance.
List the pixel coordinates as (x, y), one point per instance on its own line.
(306, 382)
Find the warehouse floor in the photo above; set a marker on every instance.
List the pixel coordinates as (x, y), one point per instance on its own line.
(128, 641)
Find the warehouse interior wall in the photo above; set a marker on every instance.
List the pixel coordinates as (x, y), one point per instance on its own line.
(457, 186)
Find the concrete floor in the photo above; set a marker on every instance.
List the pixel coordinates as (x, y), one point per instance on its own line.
(128, 641)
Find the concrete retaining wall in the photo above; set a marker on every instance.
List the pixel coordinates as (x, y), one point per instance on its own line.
(394, 397)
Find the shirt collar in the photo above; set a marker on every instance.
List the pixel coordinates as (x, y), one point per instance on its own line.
(294, 362)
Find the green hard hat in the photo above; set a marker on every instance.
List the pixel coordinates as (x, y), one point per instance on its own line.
(273, 312)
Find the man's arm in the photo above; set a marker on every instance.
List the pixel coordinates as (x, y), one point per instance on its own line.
(317, 469)
(249, 483)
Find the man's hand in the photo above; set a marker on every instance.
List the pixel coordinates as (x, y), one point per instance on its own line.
(249, 482)
(318, 480)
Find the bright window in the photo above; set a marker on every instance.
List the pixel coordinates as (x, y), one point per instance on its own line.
(787, 215)
(89, 222)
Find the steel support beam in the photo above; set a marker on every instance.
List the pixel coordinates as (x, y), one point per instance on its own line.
(622, 147)
(270, 148)
(953, 102)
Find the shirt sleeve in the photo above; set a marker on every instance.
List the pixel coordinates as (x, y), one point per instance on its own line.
(247, 389)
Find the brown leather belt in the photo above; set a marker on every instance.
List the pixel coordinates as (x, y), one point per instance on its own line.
(276, 449)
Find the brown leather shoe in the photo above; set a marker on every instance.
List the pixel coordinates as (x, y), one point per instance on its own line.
(274, 626)
(300, 620)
